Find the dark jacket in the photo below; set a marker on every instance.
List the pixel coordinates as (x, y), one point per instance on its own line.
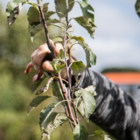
(116, 112)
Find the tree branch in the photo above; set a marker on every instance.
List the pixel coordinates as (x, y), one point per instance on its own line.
(54, 56)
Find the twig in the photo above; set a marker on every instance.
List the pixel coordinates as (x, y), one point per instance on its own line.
(46, 30)
(68, 68)
(54, 56)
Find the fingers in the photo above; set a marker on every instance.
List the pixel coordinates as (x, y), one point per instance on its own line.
(39, 54)
(28, 68)
(46, 66)
(57, 48)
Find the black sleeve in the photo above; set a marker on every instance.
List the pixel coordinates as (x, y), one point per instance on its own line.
(116, 111)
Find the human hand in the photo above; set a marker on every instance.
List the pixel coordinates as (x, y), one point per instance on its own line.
(40, 64)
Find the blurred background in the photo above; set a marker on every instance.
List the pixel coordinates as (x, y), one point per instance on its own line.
(116, 44)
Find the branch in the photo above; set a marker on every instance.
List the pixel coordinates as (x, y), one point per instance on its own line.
(69, 69)
(46, 30)
(54, 56)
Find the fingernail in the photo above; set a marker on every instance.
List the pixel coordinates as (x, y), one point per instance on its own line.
(35, 78)
(35, 67)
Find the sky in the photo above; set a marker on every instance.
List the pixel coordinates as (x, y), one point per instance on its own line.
(116, 40)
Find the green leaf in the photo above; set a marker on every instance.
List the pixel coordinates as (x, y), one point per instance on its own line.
(102, 134)
(33, 4)
(33, 16)
(13, 9)
(90, 56)
(77, 67)
(50, 21)
(57, 92)
(87, 101)
(45, 113)
(45, 88)
(48, 14)
(87, 20)
(137, 6)
(60, 6)
(58, 39)
(35, 29)
(36, 84)
(57, 65)
(91, 90)
(85, 7)
(79, 105)
(45, 7)
(36, 101)
(80, 132)
(35, 21)
(86, 24)
(89, 104)
(61, 55)
(53, 121)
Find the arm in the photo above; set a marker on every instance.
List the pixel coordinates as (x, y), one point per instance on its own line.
(116, 111)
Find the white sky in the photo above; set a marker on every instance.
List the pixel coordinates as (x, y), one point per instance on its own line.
(117, 36)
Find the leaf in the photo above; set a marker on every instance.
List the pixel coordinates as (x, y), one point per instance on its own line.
(89, 104)
(36, 101)
(102, 134)
(86, 24)
(91, 90)
(53, 121)
(90, 56)
(50, 21)
(57, 65)
(80, 132)
(45, 113)
(87, 101)
(33, 4)
(45, 88)
(35, 21)
(77, 67)
(13, 9)
(36, 84)
(79, 105)
(57, 92)
(48, 14)
(45, 7)
(87, 20)
(61, 55)
(60, 6)
(86, 8)
(33, 16)
(58, 39)
(35, 29)
(137, 7)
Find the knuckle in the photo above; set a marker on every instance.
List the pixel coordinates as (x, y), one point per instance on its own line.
(43, 47)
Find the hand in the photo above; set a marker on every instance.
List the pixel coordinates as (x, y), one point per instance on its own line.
(40, 65)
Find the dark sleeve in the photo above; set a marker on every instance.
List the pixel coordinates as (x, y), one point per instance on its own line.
(116, 111)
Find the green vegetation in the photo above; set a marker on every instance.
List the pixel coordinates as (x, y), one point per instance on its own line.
(119, 70)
